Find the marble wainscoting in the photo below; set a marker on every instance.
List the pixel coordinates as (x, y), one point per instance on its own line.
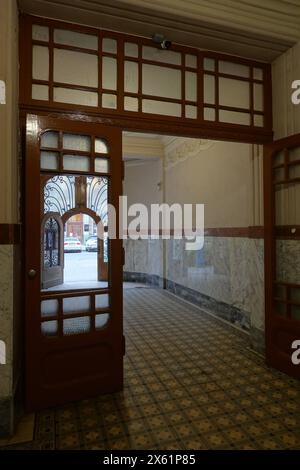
(226, 277)
(144, 261)
(6, 335)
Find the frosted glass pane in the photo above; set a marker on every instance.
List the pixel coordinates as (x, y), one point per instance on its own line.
(131, 79)
(109, 45)
(234, 93)
(49, 328)
(84, 98)
(77, 142)
(101, 165)
(76, 304)
(258, 97)
(258, 120)
(101, 320)
(161, 55)
(77, 68)
(109, 101)
(161, 107)
(72, 38)
(131, 49)
(209, 114)
(209, 89)
(49, 160)
(131, 104)
(294, 172)
(191, 112)
(49, 139)
(109, 73)
(209, 64)
(190, 86)
(40, 92)
(234, 117)
(40, 63)
(73, 326)
(191, 61)
(234, 69)
(100, 146)
(40, 33)
(49, 308)
(76, 163)
(102, 301)
(161, 81)
(294, 155)
(258, 74)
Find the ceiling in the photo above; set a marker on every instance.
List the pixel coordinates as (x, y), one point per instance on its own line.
(251, 28)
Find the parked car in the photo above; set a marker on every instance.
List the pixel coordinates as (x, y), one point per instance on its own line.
(72, 245)
(92, 243)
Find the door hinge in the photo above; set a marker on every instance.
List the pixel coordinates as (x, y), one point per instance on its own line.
(124, 345)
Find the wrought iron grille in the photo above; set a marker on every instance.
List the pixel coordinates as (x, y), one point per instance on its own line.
(51, 243)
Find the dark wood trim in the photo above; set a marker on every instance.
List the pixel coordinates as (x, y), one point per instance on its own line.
(288, 232)
(137, 120)
(147, 124)
(10, 234)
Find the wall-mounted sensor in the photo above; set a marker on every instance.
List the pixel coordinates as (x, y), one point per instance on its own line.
(162, 41)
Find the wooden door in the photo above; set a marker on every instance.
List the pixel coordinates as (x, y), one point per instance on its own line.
(74, 329)
(282, 254)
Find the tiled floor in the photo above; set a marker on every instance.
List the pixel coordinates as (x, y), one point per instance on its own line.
(191, 383)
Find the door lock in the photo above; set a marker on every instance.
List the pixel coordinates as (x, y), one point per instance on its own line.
(31, 273)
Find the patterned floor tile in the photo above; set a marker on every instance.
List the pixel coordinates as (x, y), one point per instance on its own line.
(180, 391)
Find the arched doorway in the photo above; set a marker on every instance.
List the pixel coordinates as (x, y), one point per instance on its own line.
(73, 208)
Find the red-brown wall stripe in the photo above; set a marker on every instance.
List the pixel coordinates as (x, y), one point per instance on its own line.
(239, 232)
(10, 234)
(233, 232)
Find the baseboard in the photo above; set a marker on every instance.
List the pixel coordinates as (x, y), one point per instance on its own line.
(229, 313)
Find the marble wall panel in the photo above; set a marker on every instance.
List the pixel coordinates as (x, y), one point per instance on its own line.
(6, 317)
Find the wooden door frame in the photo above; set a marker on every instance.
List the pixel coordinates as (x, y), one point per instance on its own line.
(269, 239)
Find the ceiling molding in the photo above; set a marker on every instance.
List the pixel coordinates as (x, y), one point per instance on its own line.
(179, 149)
(254, 29)
(142, 148)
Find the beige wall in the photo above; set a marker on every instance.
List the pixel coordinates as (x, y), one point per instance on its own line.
(9, 112)
(286, 115)
(142, 182)
(224, 176)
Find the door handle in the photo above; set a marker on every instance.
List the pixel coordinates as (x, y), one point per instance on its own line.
(31, 273)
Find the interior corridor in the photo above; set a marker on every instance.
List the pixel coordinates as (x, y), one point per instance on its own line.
(190, 383)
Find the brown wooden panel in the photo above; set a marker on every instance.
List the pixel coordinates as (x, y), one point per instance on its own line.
(10, 234)
(140, 120)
